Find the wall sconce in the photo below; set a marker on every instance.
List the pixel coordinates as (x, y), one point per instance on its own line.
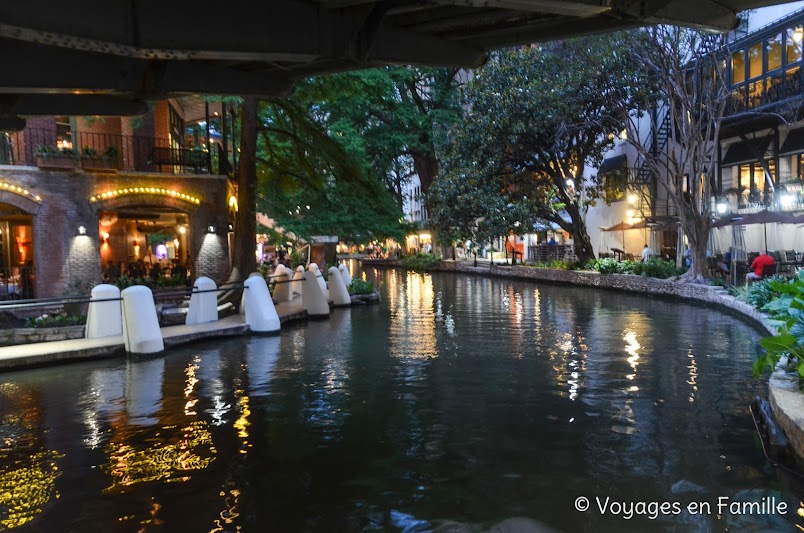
(722, 207)
(182, 230)
(105, 237)
(210, 229)
(231, 228)
(82, 230)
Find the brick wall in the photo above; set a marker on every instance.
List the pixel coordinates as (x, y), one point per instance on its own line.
(63, 258)
(161, 119)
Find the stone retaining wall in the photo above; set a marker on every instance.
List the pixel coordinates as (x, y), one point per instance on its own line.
(11, 337)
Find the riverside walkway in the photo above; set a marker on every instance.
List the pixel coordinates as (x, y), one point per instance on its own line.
(42, 353)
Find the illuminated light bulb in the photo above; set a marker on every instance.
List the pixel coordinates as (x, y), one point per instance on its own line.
(39, 198)
(91, 199)
(25, 191)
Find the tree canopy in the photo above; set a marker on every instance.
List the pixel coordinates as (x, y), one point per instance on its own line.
(536, 118)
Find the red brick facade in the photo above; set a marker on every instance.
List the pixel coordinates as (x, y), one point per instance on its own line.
(65, 259)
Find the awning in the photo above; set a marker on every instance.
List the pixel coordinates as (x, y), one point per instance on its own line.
(745, 152)
(613, 163)
(794, 143)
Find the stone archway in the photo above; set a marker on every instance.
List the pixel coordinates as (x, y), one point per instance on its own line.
(18, 209)
(143, 226)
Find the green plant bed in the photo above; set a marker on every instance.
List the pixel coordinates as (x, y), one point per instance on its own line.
(358, 286)
(654, 268)
(783, 300)
(56, 321)
(421, 262)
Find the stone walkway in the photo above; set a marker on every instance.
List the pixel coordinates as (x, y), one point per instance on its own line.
(26, 355)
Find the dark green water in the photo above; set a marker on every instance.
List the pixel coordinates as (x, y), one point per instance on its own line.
(456, 400)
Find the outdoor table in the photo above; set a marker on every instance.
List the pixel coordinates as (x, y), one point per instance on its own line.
(619, 253)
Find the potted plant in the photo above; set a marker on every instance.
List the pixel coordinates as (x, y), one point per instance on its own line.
(92, 160)
(50, 157)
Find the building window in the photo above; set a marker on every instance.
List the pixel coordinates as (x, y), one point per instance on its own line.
(775, 52)
(755, 60)
(793, 46)
(738, 67)
(615, 184)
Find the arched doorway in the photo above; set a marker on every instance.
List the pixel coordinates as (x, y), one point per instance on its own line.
(142, 229)
(16, 253)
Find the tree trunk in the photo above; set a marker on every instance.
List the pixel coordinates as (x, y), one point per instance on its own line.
(244, 260)
(584, 250)
(698, 237)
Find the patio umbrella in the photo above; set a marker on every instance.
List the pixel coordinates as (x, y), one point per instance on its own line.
(762, 217)
(621, 227)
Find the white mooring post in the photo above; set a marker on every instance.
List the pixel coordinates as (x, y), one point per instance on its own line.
(313, 267)
(261, 314)
(141, 333)
(203, 305)
(345, 275)
(337, 289)
(313, 299)
(297, 287)
(104, 319)
(283, 290)
(242, 309)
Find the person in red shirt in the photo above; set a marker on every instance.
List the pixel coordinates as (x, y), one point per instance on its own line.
(758, 266)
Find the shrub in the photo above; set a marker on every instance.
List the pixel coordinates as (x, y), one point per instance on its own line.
(55, 321)
(358, 286)
(788, 307)
(421, 262)
(659, 268)
(760, 293)
(604, 266)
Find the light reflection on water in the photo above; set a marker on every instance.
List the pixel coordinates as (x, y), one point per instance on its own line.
(457, 399)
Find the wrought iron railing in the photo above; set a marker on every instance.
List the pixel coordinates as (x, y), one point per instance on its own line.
(120, 152)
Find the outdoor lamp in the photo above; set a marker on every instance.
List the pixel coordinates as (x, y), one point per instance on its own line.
(721, 208)
(231, 228)
(570, 183)
(786, 200)
(82, 230)
(210, 229)
(182, 230)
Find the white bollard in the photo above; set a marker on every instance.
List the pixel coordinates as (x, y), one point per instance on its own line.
(203, 305)
(283, 289)
(261, 314)
(242, 309)
(104, 319)
(141, 333)
(297, 287)
(313, 299)
(345, 275)
(312, 267)
(337, 289)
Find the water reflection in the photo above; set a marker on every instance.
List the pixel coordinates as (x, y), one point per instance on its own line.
(457, 399)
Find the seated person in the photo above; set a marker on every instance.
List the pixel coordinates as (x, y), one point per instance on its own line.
(758, 266)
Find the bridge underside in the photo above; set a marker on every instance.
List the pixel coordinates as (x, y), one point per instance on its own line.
(107, 58)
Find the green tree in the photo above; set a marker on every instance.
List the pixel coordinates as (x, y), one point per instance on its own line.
(532, 128)
(312, 183)
(393, 116)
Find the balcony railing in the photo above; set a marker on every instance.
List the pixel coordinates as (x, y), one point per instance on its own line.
(134, 152)
(772, 89)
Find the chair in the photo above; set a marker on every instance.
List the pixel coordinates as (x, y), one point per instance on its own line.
(768, 270)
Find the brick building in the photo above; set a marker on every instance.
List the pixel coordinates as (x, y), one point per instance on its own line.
(133, 184)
